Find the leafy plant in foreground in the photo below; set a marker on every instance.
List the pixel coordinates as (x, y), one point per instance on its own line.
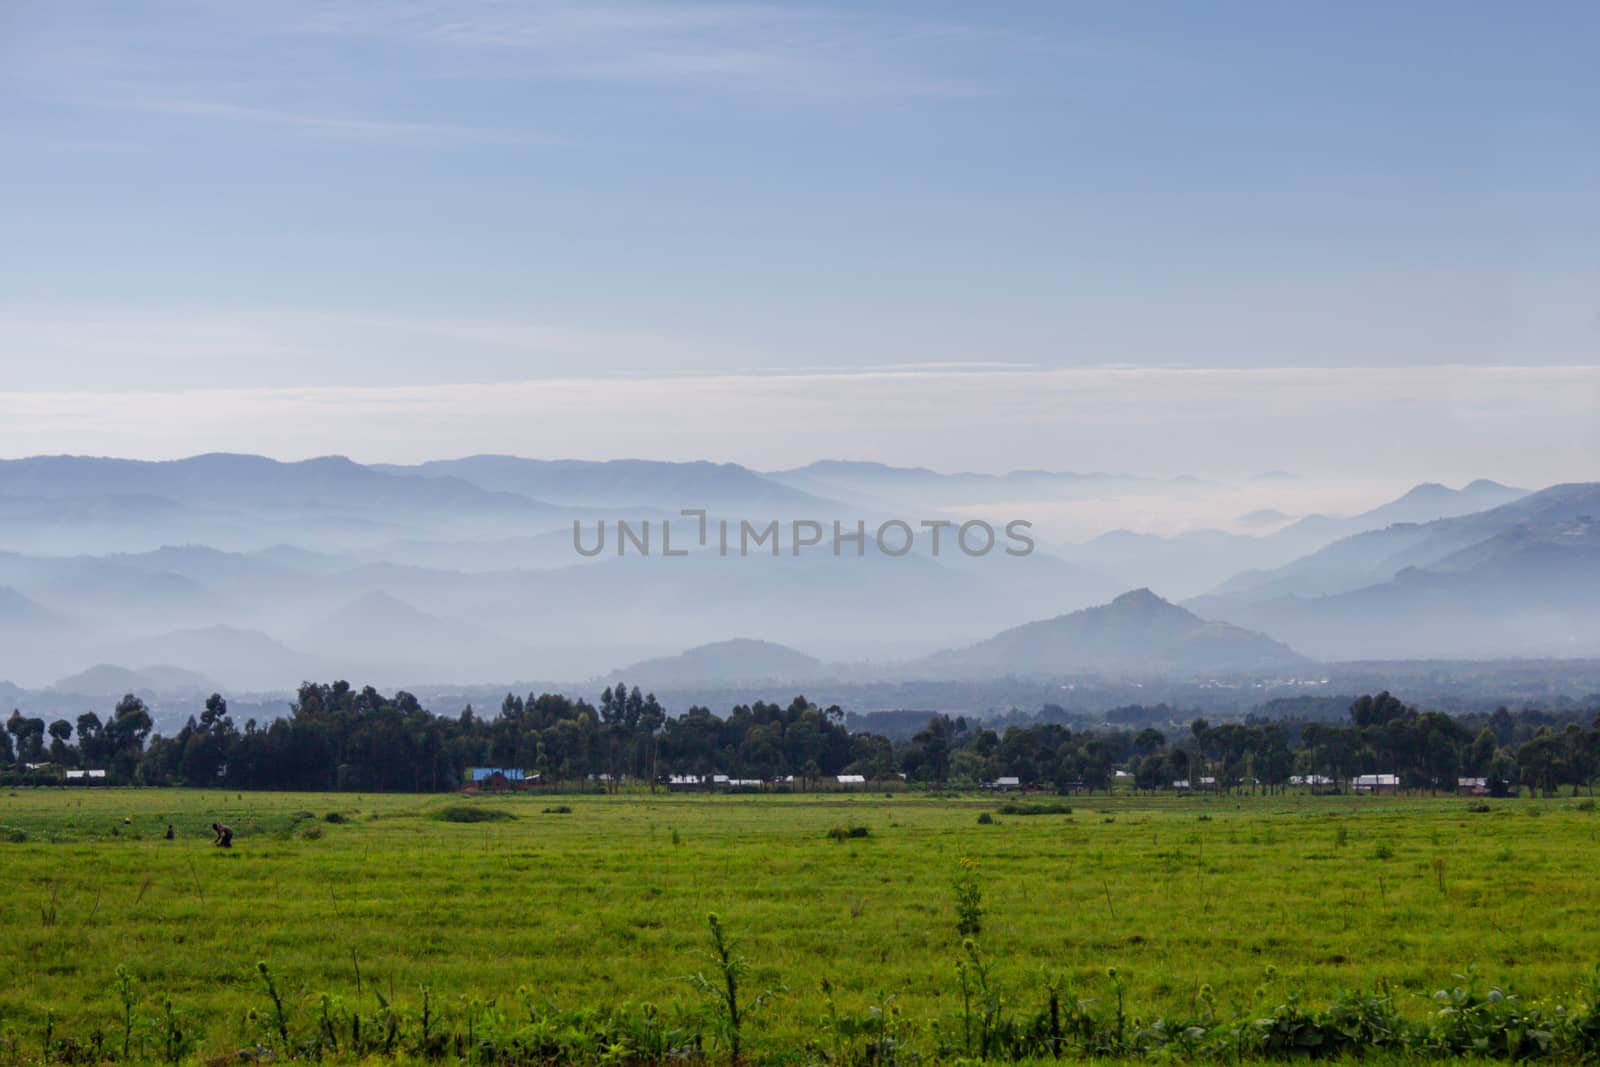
(969, 899)
(723, 987)
(279, 1017)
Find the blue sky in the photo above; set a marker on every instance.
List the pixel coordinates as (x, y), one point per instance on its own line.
(206, 195)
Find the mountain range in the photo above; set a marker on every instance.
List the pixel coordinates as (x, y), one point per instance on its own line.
(1521, 579)
(1137, 634)
(250, 573)
(1192, 563)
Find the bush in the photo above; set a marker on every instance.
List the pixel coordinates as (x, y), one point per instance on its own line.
(842, 833)
(984, 818)
(1019, 808)
(559, 809)
(13, 835)
(334, 817)
(969, 899)
(311, 833)
(1479, 807)
(471, 813)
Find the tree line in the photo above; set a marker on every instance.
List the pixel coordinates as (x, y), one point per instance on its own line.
(337, 737)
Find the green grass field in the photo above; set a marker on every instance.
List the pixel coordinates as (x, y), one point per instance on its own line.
(1251, 896)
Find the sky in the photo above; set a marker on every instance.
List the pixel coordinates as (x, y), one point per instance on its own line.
(1165, 238)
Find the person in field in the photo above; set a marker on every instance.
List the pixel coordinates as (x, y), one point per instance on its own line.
(170, 833)
(224, 838)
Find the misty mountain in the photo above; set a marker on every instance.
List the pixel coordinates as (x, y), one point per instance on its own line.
(19, 613)
(1529, 590)
(169, 588)
(1193, 563)
(1430, 500)
(719, 488)
(739, 661)
(241, 658)
(1377, 555)
(387, 637)
(254, 482)
(882, 484)
(87, 504)
(540, 551)
(1137, 634)
(840, 607)
(262, 574)
(1264, 518)
(111, 681)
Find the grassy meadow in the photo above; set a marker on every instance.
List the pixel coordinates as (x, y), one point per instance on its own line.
(1250, 896)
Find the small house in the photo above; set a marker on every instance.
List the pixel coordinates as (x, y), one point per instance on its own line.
(497, 779)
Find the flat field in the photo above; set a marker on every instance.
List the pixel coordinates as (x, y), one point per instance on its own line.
(1252, 896)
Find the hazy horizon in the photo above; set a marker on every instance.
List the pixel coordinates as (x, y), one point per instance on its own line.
(1187, 247)
(971, 239)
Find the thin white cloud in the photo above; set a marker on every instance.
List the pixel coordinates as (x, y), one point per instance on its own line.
(121, 348)
(334, 125)
(269, 66)
(730, 46)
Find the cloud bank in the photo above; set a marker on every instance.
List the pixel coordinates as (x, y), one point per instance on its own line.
(1529, 425)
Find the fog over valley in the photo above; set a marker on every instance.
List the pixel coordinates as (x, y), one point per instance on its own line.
(250, 575)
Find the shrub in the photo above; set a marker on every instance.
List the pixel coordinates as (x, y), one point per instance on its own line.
(1479, 807)
(969, 899)
(1383, 852)
(470, 813)
(13, 834)
(843, 833)
(1020, 808)
(335, 818)
(559, 809)
(984, 818)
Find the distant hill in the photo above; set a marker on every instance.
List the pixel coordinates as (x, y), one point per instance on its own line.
(64, 504)
(880, 483)
(18, 612)
(1430, 501)
(1137, 634)
(109, 680)
(1376, 555)
(228, 477)
(238, 658)
(631, 483)
(1264, 518)
(1194, 563)
(740, 660)
(391, 638)
(1523, 589)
